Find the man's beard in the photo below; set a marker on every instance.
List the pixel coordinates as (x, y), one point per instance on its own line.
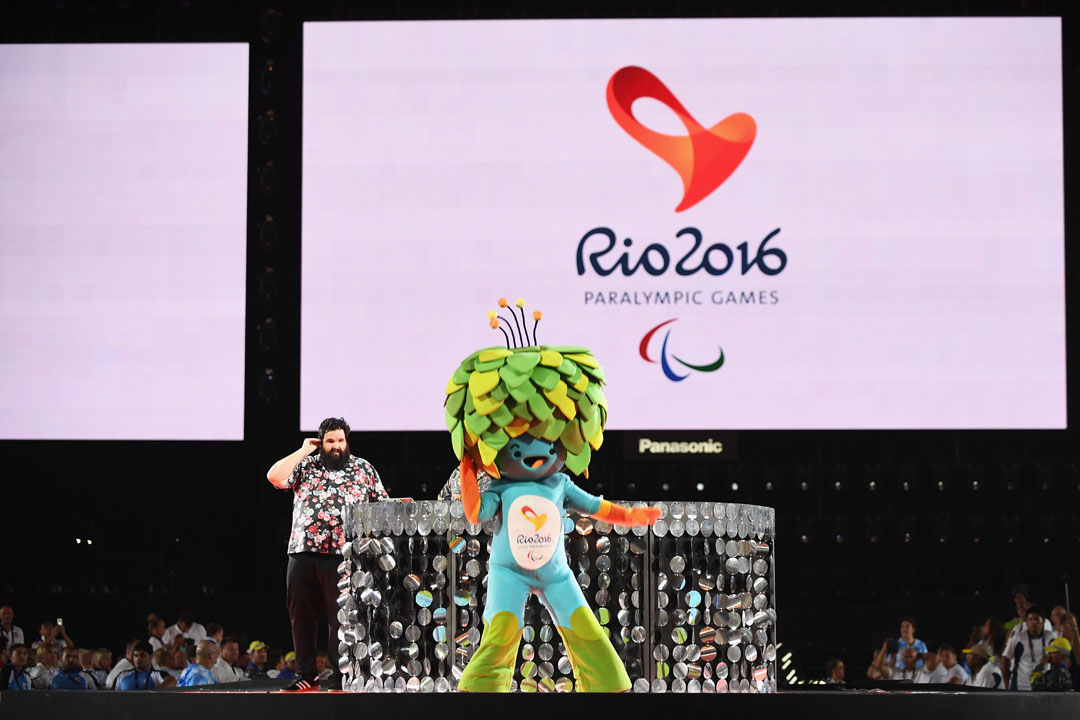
(332, 462)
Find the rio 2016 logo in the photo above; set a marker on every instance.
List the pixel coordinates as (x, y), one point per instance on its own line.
(643, 349)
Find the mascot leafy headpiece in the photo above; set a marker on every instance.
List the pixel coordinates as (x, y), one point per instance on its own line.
(550, 392)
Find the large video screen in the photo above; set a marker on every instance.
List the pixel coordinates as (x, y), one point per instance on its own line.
(753, 223)
(122, 241)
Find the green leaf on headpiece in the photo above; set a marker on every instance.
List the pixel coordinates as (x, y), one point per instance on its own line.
(568, 367)
(590, 425)
(461, 376)
(452, 420)
(540, 407)
(500, 392)
(569, 349)
(477, 423)
(502, 417)
(521, 410)
(523, 392)
(454, 401)
(571, 437)
(596, 373)
(545, 377)
(511, 377)
(524, 362)
(574, 376)
(578, 462)
(496, 439)
(457, 439)
(489, 365)
(554, 430)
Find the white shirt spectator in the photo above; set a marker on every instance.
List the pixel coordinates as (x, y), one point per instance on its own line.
(14, 636)
(936, 676)
(989, 676)
(196, 632)
(223, 672)
(58, 642)
(1024, 653)
(1047, 625)
(958, 672)
(41, 677)
(123, 666)
(896, 673)
(167, 671)
(157, 644)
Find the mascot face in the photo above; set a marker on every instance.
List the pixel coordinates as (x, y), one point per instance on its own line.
(529, 458)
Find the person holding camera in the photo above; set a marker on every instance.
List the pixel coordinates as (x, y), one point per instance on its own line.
(1026, 648)
(324, 477)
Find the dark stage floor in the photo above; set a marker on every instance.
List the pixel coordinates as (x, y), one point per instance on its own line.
(271, 705)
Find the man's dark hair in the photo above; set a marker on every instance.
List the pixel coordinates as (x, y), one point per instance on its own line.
(946, 646)
(187, 617)
(229, 639)
(1033, 610)
(144, 646)
(213, 629)
(333, 424)
(831, 664)
(908, 618)
(16, 646)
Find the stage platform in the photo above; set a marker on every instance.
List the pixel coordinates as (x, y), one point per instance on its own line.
(272, 705)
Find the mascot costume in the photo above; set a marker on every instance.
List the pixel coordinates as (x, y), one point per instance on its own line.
(521, 413)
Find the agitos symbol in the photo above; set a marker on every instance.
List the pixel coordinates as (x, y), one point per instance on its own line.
(704, 158)
(643, 348)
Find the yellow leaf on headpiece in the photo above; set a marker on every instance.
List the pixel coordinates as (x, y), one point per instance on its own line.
(481, 383)
(550, 358)
(451, 388)
(494, 354)
(487, 453)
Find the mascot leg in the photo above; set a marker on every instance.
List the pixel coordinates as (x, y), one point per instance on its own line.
(597, 667)
(491, 668)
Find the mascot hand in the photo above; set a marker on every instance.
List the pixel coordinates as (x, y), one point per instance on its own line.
(619, 515)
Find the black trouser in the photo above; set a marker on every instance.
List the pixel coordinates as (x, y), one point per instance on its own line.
(310, 594)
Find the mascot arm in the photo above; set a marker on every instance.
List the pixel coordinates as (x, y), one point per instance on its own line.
(620, 515)
(605, 510)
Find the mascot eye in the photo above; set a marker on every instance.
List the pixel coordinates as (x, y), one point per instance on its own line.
(517, 453)
(551, 450)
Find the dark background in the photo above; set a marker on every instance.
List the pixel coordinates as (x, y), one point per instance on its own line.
(872, 525)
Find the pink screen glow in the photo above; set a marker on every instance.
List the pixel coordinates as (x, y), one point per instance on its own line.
(912, 166)
(122, 241)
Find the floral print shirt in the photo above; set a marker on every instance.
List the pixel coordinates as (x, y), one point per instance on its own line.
(320, 497)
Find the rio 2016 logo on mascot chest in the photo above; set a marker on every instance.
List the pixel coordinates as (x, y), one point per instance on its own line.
(521, 412)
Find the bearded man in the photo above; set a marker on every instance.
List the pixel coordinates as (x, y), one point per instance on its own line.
(323, 484)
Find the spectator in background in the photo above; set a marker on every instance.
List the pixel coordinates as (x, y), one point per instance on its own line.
(215, 632)
(71, 675)
(991, 635)
(180, 658)
(275, 663)
(163, 663)
(323, 668)
(257, 667)
(86, 663)
(1057, 620)
(984, 672)
(123, 666)
(834, 671)
(104, 663)
(42, 674)
(155, 628)
(1052, 672)
(199, 673)
(143, 676)
(225, 669)
(55, 635)
(1018, 623)
(10, 633)
(908, 639)
(290, 665)
(946, 667)
(15, 675)
(1024, 651)
(186, 626)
